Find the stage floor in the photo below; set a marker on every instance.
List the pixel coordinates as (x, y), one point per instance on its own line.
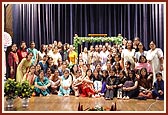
(57, 104)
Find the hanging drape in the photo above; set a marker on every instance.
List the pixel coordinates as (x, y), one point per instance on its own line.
(44, 23)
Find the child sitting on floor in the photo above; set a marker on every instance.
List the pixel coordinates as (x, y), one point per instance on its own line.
(158, 91)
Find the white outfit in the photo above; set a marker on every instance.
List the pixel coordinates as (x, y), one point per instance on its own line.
(41, 55)
(154, 56)
(85, 57)
(138, 54)
(128, 56)
(56, 57)
(103, 56)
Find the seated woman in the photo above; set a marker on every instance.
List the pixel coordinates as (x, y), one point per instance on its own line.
(76, 83)
(145, 85)
(87, 88)
(97, 82)
(30, 76)
(130, 88)
(42, 84)
(105, 74)
(55, 82)
(120, 80)
(110, 85)
(158, 91)
(66, 82)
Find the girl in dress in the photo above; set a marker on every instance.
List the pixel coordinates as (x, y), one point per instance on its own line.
(66, 82)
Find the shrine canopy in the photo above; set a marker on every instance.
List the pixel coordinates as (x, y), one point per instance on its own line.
(96, 38)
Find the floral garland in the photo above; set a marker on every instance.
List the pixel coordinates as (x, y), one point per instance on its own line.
(79, 40)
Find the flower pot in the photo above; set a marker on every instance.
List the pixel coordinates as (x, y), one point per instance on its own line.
(25, 102)
(9, 102)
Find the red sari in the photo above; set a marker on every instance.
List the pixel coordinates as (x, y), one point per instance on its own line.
(87, 89)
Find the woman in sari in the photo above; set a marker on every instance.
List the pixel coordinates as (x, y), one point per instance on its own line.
(87, 88)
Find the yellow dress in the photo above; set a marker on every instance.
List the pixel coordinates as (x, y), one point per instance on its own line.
(72, 57)
(21, 71)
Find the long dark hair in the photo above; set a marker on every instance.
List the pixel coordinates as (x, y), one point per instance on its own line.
(133, 75)
(71, 69)
(146, 76)
(91, 76)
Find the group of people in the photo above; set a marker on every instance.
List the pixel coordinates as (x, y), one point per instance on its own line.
(110, 70)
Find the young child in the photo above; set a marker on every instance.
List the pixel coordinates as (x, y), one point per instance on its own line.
(158, 91)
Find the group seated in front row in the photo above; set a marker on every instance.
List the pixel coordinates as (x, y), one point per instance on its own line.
(99, 84)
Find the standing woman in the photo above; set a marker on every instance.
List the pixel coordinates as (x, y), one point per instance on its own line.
(141, 51)
(128, 54)
(72, 55)
(13, 61)
(22, 52)
(155, 58)
(23, 67)
(42, 52)
(34, 51)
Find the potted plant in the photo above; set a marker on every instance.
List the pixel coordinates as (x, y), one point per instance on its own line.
(11, 88)
(26, 92)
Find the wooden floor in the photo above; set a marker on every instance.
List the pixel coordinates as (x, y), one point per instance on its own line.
(57, 103)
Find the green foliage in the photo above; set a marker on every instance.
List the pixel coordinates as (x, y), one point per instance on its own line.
(78, 40)
(26, 90)
(11, 88)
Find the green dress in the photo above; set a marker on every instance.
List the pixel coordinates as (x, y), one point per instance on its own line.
(42, 83)
(21, 71)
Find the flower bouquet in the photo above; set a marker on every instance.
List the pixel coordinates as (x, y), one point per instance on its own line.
(26, 92)
(11, 90)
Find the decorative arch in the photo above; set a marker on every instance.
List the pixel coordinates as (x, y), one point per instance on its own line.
(96, 38)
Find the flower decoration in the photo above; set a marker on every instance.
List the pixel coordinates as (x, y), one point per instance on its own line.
(11, 89)
(26, 90)
(79, 40)
(7, 40)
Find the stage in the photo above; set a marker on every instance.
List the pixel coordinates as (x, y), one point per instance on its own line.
(57, 104)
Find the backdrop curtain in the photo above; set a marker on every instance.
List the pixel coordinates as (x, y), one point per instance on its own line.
(44, 23)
